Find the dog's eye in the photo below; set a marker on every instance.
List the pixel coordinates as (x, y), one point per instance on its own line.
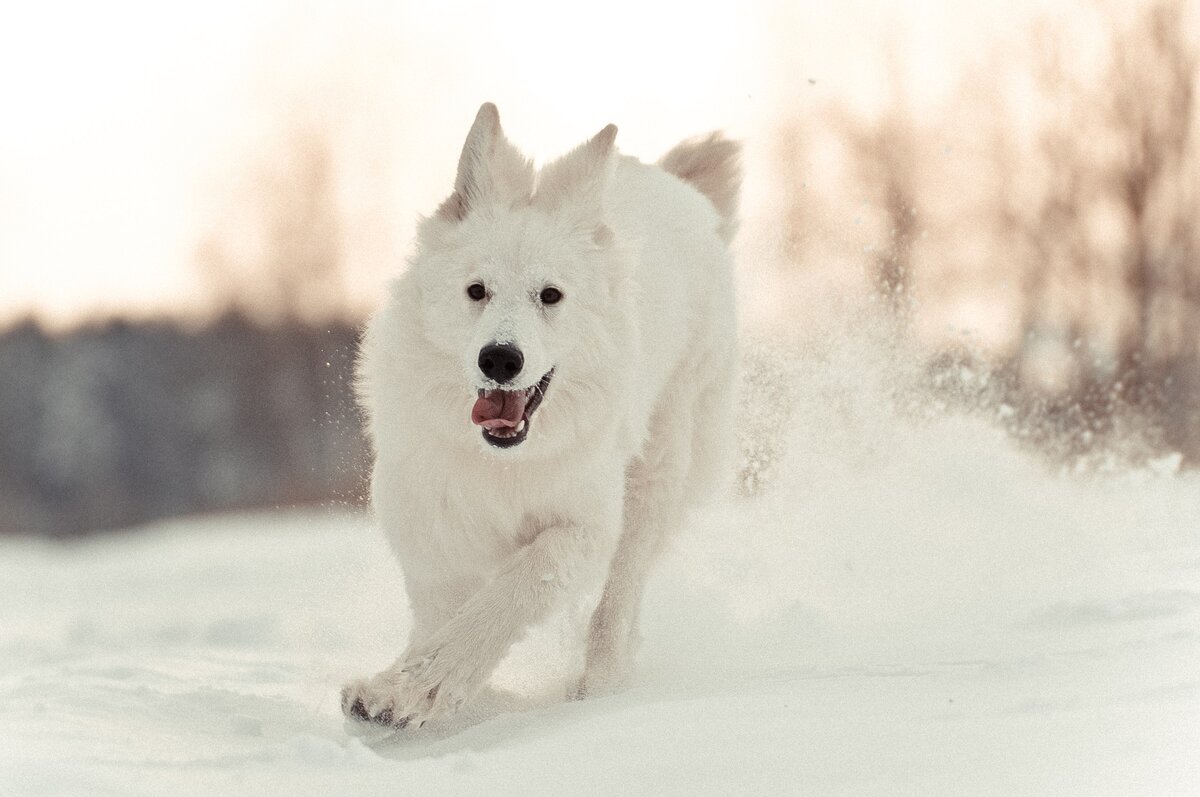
(551, 295)
(476, 291)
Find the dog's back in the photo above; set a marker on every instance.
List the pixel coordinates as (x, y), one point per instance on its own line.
(678, 217)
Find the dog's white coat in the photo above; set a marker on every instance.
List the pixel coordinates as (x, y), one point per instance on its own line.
(634, 428)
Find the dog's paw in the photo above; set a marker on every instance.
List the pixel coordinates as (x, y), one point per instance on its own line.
(601, 678)
(428, 685)
(438, 684)
(375, 700)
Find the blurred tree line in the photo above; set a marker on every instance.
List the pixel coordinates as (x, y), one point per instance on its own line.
(1061, 187)
(122, 423)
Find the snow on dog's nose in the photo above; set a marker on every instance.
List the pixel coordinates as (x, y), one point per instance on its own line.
(500, 362)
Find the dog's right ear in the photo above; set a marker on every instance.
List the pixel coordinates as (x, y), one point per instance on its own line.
(491, 170)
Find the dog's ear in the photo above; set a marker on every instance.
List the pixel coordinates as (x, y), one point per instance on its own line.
(490, 170)
(578, 178)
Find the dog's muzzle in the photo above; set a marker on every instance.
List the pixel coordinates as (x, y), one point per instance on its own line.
(505, 415)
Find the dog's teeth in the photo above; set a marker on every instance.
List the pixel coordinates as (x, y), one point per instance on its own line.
(520, 426)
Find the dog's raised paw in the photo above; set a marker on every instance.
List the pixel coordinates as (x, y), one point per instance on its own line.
(372, 700)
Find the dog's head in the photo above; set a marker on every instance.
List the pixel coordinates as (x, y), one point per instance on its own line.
(521, 294)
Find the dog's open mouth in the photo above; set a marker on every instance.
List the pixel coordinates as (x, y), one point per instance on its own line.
(504, 415)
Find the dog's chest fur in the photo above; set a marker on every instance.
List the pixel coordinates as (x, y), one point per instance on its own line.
(487, 510)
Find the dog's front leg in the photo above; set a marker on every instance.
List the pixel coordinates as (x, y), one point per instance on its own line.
(439, 675)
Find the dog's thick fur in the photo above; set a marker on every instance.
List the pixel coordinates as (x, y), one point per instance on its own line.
(636, 419)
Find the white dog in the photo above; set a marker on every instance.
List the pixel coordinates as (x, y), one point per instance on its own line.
(549, 390)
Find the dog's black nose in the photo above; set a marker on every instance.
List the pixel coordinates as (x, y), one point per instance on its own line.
(500, 362)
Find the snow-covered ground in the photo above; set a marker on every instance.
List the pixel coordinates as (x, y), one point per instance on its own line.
(910, 607)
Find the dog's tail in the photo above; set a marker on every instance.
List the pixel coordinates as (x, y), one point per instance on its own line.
(713, 165)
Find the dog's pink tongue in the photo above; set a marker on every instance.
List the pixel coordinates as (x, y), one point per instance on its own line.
(498, 409)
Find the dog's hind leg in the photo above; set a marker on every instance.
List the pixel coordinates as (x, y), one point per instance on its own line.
(683, 460)
(654, 508)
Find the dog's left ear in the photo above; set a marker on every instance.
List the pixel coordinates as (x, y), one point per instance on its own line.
(578, 178)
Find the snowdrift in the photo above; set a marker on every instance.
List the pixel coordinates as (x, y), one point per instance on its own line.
(903, 605)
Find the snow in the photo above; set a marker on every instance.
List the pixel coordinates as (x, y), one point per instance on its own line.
(908, 606)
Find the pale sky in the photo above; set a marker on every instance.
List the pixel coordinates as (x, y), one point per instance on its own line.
(122, 124)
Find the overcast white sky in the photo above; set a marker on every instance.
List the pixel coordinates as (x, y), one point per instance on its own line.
(122, 123)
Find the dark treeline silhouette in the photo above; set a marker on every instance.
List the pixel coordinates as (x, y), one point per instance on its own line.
(122, 423)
